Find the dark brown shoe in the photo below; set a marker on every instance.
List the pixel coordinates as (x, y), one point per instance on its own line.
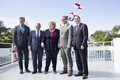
(70, 74)
(64, 72)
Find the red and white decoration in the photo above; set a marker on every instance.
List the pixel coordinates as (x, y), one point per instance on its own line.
(70, 18)
(78, 6)
(71, 12)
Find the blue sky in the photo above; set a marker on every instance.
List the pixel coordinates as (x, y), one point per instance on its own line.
(97, 14)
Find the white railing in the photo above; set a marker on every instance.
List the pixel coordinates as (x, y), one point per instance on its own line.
(101, 51)
(96, 51)
(6, 54)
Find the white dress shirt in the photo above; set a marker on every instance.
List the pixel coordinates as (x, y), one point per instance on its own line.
(36, 33)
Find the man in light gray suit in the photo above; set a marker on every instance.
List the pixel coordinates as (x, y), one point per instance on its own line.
(66, 32)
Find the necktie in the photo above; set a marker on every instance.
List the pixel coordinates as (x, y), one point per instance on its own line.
(37, 34)
(22, 29)
(77, 28)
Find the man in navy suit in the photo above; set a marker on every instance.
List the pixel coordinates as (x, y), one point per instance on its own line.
(20, 42)
(34, 44)
(80, 37)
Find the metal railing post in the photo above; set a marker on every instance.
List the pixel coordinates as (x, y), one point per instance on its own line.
(12, 58)
(104, 50)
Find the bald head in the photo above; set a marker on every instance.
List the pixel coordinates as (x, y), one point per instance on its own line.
(37, 26)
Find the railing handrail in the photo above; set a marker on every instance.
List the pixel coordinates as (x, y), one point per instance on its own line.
(103, 52)
(5, 43)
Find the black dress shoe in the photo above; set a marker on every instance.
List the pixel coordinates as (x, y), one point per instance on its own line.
(45, 72)
(27, 70)
(34, 72)
(54, 71)
(78, 74)
(39, 71)
(85, 76)
(21, 72)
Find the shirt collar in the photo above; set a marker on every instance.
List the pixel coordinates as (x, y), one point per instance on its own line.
(65, 24)
(78, 24)
(21, 24)
(37, 30)
(52, 30)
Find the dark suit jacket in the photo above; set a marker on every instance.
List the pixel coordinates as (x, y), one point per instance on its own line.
(35, 42)
(81, 36)
(47, 40)
(20, 39)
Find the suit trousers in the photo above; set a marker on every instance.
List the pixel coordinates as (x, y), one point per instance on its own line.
(81, 60)
(66, 58)
(23, 50)
(51, 55)
(37, 60)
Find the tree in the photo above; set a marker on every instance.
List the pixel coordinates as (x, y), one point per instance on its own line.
(108, 37)
(116, 29)
(2, 27)
(1, 23)
(100, 35)
(119, 27)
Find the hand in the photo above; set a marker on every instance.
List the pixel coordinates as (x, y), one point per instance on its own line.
(58, 45)
(42, 45)
(29, 48)
(82, 47)
(15, 48)
(68, 46)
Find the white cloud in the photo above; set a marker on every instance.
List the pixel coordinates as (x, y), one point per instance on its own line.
(12, 22)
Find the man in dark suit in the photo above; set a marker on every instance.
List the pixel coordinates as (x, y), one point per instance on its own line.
(20, 42)
(80, 37)
(34, 44)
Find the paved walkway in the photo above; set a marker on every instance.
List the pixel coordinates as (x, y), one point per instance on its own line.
(99, 70)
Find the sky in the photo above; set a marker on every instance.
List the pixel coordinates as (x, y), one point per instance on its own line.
(97, 14)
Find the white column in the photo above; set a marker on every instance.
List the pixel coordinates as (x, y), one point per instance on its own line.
(117, 54)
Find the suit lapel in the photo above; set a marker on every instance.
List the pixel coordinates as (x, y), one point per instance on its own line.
(34, 33)
(65, 28)
(40, 34)
(74, 30)
(24, 30)
(78, 28)
(19, 29)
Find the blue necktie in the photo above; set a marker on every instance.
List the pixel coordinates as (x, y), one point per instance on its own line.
(22, 29)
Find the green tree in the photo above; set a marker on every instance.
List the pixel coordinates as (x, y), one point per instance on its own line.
(2, 27)
(100, 35)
